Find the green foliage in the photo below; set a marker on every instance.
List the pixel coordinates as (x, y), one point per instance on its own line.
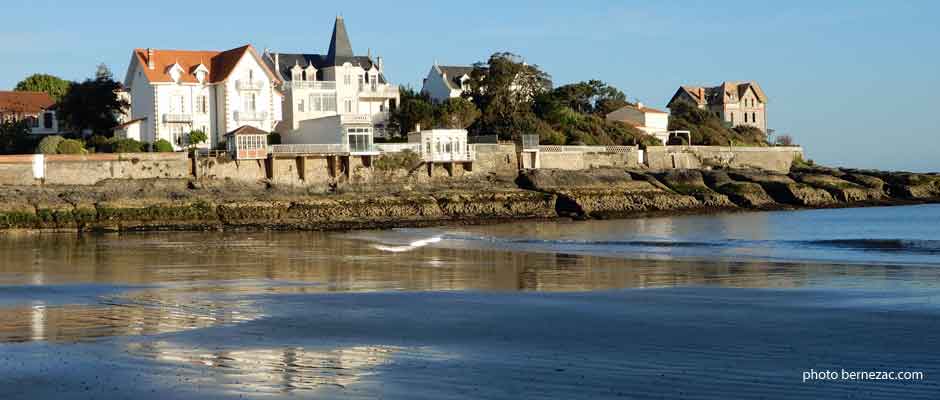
(15, 138)
(196, 137)
(591, 97)
(707, 129)
(405, 159)
(126, 146)
(162, 146)
(591, 129)
(274, 138)
(799, 162)
(49, 145)
(99, 144)
(504, 89)
(53, 85)
(456, 113)
(71, 146)
(92, 104)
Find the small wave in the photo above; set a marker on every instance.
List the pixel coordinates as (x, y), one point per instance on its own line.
(880, 245)
(571, 242)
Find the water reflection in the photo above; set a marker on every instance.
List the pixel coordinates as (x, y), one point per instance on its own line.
(270, 370)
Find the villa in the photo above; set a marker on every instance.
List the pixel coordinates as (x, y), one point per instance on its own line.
(737, 103)
(337, 98)
(446, 82)
(649, 120)
(174, 92)
(37, 108)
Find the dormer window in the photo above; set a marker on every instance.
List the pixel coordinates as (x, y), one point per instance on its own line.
(201, 73)
(311, 73)
(297, 73)
(176, 72)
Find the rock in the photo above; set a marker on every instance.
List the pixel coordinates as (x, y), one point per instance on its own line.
(785, 190)
(691, 183)
(744, 194)
(842, 190)
(496, 204)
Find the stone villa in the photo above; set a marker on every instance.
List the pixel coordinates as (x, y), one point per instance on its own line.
(738, 103)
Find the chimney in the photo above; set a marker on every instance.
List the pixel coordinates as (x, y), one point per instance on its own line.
(150, 63)
(277, 64)
(378, 63)
(701, 94)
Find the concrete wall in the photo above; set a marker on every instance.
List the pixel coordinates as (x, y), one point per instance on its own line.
(93, 168)
(776, 159)
(498, 159)
(580, 160)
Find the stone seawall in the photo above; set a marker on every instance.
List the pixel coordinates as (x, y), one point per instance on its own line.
(162, 204)
(777, 159)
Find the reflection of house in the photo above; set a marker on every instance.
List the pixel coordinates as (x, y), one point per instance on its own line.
(445, 82)
(334, 87)
(37, 108)
(649, 120)
(442, 145)
(735, 103)
(176, 91)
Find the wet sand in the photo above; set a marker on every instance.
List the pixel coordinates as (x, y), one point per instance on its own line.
(312, 315)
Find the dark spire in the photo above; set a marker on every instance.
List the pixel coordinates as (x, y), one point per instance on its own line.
(339, 43)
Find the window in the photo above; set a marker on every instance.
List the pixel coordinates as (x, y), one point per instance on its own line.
(732, 117)
(33, 122)
(300, 105)
(47, 120)
(251, 75)
(745, 117)
(347, 105)
(316, 104)
(178, 104)
(347, 80)
(329, 102)
(753, 117)
(251, 102)
(202, 104)
(362, 81)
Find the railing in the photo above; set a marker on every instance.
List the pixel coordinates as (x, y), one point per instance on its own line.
(398, 147)
(347, 118)
(467, 155)
(308, 149)
(384, 90)
(177, 118)
(250, 116)
(587, 149)
(319, 85)
(530, 142)
(248, 85)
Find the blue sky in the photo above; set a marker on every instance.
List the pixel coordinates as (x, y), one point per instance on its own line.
(855, 82)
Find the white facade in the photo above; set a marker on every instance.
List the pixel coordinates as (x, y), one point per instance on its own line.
(444, 83)
(442, 145)
(651, 121)
(337, 91)
(176, 92)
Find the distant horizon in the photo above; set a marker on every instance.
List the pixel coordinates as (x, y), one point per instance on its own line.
(842, 80)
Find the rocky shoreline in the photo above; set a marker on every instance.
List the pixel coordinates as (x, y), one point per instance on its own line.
(178, 204)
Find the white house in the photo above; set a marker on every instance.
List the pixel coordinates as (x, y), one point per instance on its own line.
(442, 145)
(446, 82)
(333, 96)
(37, 108)
(174, 92)
(649, 120)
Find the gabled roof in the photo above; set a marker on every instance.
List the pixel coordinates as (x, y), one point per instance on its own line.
(727, 92)
(454, 73)
(219, 63)
(131, 122)
(25, 102)
(246, 130)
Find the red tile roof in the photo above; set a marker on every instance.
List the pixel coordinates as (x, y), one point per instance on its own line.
(220, 64)
(25, 102)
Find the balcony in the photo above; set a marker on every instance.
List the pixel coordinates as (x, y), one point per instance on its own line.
(355, 119)
(250, 116)
(384, 91)
(248, 85)
(177, 118)
(316, 85)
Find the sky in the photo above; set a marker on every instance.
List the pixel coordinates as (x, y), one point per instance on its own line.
(854, 82)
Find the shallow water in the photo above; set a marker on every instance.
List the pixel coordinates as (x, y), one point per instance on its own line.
(725, 306)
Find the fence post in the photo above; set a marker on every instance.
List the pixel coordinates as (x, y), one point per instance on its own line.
(39, 166)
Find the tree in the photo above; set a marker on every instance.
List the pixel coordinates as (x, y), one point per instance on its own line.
(15, 137)
(504, 90)
(162, 146)
(414, 108)
(53, 85)
(93, 104)
(196, 137)
(456, 113)
(591, 97)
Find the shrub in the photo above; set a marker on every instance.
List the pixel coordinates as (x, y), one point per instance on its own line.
(126, 146)
(49, 145)
(197, 136)
(71, 146)
(784, 140)
(162, 146)
(406, 159)
(99, 143)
